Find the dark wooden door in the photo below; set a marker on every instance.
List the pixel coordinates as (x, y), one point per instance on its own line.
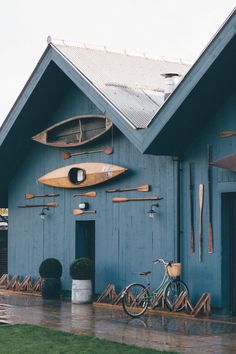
(228, 210)
(229, 252)
(3, 252)
(85, 241)
(233, 257)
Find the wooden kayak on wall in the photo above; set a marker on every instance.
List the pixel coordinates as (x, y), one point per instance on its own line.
(74, 131)
(81, 175)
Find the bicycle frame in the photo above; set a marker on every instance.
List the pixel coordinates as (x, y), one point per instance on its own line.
(167, 279)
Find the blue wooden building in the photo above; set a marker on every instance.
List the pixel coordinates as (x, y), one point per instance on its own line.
(155, 138)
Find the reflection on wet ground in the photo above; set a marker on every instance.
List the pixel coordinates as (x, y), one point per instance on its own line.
(165, 332)
(183, 325)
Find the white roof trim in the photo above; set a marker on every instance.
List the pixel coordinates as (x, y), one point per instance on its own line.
(147, 56)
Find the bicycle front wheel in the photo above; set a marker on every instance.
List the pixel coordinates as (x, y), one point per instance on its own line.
(172, 292)
(135, 300)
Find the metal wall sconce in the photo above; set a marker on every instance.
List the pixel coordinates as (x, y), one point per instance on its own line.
(43, 213)
(151, 213)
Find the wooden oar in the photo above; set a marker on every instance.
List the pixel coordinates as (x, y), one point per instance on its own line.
(81, 212)
(121, 200)
(201, 192)
(192, 238)
(143, 188)
(30, 195)
(227, 133)
(210, 232)
(53, 205)
(88, 194)
(107, 150)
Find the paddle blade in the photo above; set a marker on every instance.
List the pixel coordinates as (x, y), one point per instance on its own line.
(227, 133)
(144, 188)
(77, 212)
(120, 200)
(29, 196)
(108, 150)
(210, 239)
(80, 212)
(66, 155)
(53, 205)
(90, 194)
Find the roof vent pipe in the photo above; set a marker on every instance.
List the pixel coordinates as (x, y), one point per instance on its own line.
(171, 81)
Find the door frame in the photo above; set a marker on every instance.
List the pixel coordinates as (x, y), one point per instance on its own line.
(92, 244)
(227, 271)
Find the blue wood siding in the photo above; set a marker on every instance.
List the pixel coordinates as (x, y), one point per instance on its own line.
(208, 274)
(126, 240)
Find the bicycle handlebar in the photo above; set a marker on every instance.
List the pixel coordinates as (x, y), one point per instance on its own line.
(160, 260)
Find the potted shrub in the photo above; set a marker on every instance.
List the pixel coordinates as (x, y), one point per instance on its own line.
(50, 271)
(81, 274)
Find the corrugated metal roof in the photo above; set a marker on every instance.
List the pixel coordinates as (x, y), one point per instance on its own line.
(133, 84)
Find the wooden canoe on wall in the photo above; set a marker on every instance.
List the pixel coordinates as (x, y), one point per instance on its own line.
(81, 175)
(74, 131)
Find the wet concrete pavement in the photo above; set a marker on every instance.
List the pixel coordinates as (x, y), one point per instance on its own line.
(183, 335)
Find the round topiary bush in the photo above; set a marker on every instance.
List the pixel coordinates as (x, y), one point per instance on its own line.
(50, 268)
(81, 269)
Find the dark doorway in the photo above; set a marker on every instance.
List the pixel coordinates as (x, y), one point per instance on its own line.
(3, 252)
(85, 241)
(229, 251)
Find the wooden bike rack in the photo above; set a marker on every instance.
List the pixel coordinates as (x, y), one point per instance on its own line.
(118, 298)
(204, 303)
(109, 295)
(13, 283)
(4, 280)
(16, 285)
(25, 285)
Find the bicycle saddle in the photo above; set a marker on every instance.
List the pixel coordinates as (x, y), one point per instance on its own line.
(145, 273)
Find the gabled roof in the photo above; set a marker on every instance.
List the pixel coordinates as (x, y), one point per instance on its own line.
(133, 84)
(197, 98)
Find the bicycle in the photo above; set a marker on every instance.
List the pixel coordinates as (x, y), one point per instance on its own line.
(138, 297)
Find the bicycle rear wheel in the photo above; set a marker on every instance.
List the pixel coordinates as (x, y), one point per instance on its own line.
(172, 292)
(135, 300)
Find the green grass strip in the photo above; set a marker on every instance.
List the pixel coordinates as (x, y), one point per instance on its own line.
(28, 339)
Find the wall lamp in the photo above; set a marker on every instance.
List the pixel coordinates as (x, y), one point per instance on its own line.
(43, 213)
(151, 213)
(83, 206)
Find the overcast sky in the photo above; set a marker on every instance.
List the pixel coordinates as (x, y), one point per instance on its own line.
(169, 28)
